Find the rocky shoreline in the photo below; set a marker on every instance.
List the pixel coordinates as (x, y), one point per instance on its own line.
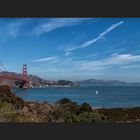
(15, 109)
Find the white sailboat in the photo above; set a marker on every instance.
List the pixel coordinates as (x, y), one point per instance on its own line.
(97, 92)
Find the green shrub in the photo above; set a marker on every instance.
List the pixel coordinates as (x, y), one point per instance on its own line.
(56, 115)
(63, 101)
(85, 107)
(68, 111)
(84, 117)
(67, 105)
(9, 114)
(7, 96)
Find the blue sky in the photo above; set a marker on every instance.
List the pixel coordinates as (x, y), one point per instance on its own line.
(72, 48)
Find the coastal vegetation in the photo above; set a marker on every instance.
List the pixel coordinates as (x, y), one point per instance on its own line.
(15, 109)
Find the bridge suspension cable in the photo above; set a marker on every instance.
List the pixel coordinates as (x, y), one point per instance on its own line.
(2, 67)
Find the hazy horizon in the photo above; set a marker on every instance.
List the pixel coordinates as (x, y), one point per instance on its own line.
(72, 48)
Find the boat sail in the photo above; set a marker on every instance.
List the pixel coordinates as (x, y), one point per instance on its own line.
(97, 92)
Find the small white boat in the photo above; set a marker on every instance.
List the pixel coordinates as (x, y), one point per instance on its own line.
(97, 92)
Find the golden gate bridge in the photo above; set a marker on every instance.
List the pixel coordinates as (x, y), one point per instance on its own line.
(21, 82)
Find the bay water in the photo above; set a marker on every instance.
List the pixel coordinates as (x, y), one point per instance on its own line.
(109, 97)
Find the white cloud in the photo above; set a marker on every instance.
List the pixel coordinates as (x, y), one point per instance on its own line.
(111, 61)
(68, 67)
(131, 66)
(56, 23)
(13, 28)
(100, 36)
(46, 59)
(67, 53)
(112, 27)
(94, 65)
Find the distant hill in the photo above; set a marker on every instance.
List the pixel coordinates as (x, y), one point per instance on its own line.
(94, 82)
(36, 81)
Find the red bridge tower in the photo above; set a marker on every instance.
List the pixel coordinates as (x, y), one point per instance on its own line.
(24, 76)
(24, 73)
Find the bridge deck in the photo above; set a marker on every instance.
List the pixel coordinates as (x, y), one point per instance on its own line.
(10, 78)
